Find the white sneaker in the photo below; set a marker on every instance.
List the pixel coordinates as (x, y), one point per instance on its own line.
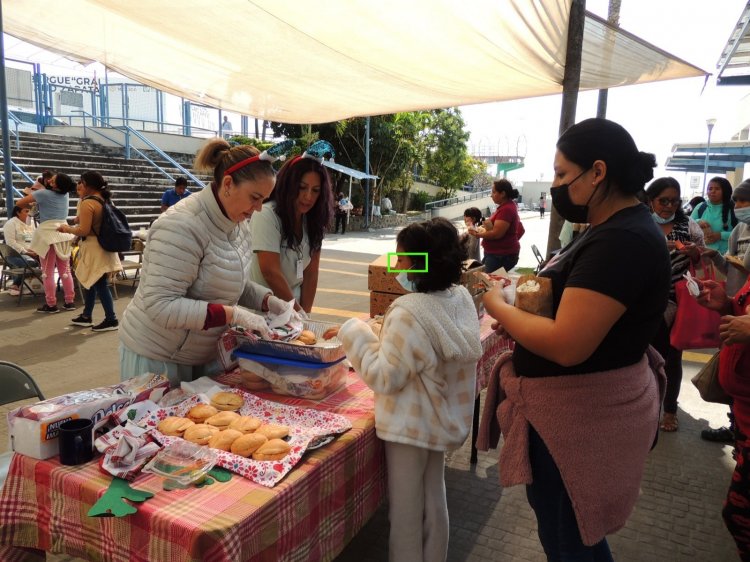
(14, 291)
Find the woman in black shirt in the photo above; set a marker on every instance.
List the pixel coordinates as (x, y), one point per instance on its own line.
(609, 292)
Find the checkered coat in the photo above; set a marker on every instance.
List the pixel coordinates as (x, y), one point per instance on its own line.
(422, 367)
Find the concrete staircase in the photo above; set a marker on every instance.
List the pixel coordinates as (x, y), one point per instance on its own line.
(136, 185)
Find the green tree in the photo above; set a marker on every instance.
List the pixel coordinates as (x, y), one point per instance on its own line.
(447, 161)
(434, 141)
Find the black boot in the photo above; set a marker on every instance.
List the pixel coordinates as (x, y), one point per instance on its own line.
(722, 434)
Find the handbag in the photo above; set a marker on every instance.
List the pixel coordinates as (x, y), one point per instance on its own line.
(695, 326)
(707, 382)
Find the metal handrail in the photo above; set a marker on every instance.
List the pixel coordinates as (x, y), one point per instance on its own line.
(456, 200)
(107, 122)
(18, 169)
(128, 147)
(17, 122)
(160, 152)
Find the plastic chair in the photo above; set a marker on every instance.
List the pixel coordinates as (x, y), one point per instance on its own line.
(26, 271)
(17, 385)
(538, 256)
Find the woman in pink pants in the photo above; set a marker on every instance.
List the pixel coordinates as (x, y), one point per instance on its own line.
(53, 247)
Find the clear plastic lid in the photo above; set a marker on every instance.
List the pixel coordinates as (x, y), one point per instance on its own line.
(182, 463)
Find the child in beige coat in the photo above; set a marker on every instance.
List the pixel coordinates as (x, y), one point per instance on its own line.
(422, 369)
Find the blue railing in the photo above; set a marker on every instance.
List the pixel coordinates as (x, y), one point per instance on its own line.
(127, 146)
(18, 169)
(146, 124)
(457, 200)
(130, 131)
(16, 122)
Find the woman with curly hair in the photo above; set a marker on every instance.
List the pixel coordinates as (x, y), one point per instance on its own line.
(422, 370)
(288, 236)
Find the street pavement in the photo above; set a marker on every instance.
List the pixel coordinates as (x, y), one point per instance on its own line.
(676, 518)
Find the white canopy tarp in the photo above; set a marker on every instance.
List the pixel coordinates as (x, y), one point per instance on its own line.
(313, 62)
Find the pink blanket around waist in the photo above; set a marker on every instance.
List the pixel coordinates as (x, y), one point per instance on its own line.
(598, 427)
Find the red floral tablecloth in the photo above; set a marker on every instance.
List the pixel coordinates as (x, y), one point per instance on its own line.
(305, 425)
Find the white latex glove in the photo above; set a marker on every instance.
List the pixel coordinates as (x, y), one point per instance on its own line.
(250, 321)
(278, 307)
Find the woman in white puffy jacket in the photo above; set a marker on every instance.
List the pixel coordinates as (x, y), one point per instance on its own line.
(195, 277)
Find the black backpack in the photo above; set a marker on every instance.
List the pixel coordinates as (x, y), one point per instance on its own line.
(115, 234)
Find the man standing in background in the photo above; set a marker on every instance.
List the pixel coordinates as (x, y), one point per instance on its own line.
(226, 128)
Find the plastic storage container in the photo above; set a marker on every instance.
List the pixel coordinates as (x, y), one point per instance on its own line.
(182, 463)
(290, 377)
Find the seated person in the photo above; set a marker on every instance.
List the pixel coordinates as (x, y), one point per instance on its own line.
(172, 196)
(18, 233)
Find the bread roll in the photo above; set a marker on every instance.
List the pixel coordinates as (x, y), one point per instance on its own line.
(227, 401)
(222, 419)
(247, 444)
(273, 450)
(245, 424)
(249, 376)
(307, 337)
(174, 426)
(534, 295)
(200, 433)
(254, 386)
(224, 439)
(273, 431)
(201, 413)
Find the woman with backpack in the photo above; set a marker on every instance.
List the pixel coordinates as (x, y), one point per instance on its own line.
(502, 229)
(94, 262)
(716, 216)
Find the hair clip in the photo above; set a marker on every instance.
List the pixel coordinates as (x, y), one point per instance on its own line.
(276, 152)
(318, 150)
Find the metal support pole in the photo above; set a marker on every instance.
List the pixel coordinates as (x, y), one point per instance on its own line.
(613, 17)
(710, 124)
(571, 82)
(159, 112)
(105, 97)
(38, 105)
(7, 171)
(366, 208)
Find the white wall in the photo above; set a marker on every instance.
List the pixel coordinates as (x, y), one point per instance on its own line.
(457, 211)
(167, 142)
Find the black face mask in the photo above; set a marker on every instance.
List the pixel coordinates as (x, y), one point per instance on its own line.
(567, 209)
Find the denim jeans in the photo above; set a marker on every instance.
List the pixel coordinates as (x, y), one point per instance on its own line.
(105, 296)
(494, 262)
(20, 261)
(557, 526)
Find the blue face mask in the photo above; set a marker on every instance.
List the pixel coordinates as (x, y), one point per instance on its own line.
(406, 283)
(743, 214)
(661, 220)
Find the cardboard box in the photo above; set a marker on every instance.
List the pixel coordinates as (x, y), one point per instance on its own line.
(378, 278)
(384, 289)
(379, 302)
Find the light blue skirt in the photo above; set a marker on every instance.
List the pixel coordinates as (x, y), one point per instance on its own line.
(133, 365)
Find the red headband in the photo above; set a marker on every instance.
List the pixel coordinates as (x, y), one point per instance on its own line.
(241, 164)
